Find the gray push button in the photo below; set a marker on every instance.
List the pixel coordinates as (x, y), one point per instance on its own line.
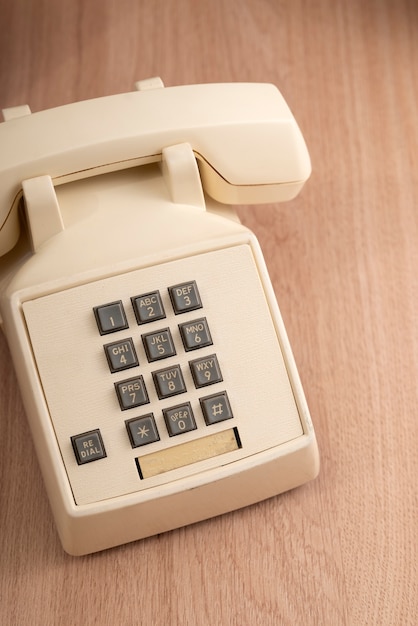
(216, 408)
(88, 447)
(121, 355)
(159, 345)
(185, 297)
(142, 430)
(169, 382)
(195, 334)
(205, 371)
(110, 317)
(131, 393)
(148, 307)
(179, 419)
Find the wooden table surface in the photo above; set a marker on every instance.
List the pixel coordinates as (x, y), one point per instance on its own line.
(343, 258)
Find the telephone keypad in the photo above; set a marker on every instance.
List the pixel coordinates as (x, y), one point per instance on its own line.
(169, 381)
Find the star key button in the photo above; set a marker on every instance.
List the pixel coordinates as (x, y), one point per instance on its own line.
(142, 430)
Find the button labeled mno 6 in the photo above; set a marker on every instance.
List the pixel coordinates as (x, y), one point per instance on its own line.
(195, 334)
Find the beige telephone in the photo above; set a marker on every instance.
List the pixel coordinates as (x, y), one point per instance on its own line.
(153, 362)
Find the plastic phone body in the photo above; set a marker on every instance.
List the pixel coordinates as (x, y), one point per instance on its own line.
(154, 366)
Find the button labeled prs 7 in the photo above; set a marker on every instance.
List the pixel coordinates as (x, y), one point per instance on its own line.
(185, 297)
(131, 393)
(121, 355)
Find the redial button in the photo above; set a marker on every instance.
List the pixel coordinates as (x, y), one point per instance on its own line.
(88, 447)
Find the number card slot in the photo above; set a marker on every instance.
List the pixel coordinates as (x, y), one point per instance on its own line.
(187, 453)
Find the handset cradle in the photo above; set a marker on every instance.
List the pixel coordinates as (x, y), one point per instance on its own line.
(248, 145)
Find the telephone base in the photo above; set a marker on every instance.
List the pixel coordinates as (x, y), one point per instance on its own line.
(154, 366)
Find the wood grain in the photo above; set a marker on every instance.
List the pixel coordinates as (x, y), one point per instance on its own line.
(343, 259)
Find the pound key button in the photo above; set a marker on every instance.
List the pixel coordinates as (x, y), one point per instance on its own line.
(195, 334)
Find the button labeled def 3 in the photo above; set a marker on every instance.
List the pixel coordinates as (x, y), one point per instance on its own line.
(185, 297)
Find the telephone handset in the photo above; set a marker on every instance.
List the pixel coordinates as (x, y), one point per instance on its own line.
(154, 366)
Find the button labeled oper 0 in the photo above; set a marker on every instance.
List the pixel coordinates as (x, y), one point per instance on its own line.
(131, 393)
(179, 419)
